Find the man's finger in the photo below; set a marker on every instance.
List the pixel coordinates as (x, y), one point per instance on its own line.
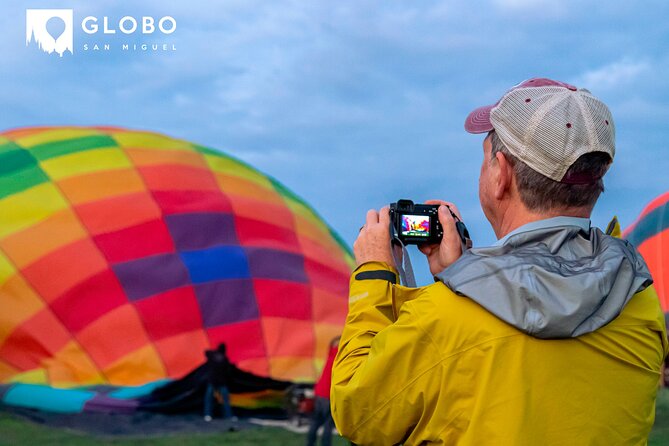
(452, 206)
(426, 249)
(455, 210)
(444, 214)
(447, 222)
(384, 216)
(372, 217)
(436, 202)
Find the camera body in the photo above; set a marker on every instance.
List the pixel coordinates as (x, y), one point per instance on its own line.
(416, 224)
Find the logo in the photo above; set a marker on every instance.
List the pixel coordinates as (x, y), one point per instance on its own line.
(52, 30)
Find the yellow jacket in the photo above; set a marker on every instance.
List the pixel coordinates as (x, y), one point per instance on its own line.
(426, 366)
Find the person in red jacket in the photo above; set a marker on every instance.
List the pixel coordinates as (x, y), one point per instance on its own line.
(322, 415)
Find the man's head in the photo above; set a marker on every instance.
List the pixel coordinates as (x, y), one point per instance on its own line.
(548, 146)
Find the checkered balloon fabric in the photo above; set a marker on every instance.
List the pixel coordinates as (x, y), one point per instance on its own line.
(124, 254)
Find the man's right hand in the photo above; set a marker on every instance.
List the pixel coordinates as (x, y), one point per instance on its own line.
(441, 256)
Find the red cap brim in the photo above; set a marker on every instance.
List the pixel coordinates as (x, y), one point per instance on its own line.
(478, 121)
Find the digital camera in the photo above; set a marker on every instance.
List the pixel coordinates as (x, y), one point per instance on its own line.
(416, 224)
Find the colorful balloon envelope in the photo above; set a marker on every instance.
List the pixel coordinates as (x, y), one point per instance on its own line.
(125, 254)
(650, 234)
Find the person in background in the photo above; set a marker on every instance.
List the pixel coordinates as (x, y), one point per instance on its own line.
(218, 374)
(322, 415)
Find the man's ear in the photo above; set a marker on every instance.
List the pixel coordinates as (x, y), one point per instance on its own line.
(504, 176)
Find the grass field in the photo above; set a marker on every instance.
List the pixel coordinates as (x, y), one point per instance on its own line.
(15, 431)
(660, 434)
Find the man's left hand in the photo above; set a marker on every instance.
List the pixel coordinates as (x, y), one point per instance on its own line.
(373, 242)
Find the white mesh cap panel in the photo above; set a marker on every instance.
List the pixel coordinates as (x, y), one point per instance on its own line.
(550, 127)
(605, 129)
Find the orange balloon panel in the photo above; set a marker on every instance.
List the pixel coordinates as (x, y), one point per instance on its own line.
(650, 234)
(655, 252)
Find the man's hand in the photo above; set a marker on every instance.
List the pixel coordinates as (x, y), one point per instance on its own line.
(373, 242)
(441, 256)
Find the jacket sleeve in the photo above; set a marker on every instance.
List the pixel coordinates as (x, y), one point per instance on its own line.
(384, 365)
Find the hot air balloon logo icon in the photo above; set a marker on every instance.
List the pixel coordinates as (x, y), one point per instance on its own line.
(51, 29)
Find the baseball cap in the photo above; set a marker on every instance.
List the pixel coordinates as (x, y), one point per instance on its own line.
(548, 125)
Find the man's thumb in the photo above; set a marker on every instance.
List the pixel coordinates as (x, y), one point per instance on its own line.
(451, 238)
(445, 217)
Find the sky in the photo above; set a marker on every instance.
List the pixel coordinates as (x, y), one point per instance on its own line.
(353, 104)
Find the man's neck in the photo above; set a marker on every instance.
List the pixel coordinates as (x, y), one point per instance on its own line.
(515, 218)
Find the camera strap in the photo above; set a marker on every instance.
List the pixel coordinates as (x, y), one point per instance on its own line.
(404, 267)
(463, 233)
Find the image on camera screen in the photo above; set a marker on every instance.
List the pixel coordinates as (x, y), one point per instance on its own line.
(415, 225)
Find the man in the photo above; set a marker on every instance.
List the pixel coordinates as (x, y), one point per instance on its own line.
(552, 336)
(218, 378)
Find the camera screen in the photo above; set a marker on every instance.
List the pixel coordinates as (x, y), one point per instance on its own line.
(415, 225)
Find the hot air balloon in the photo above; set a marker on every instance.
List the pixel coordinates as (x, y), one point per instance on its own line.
(125, 254)
(650, 234)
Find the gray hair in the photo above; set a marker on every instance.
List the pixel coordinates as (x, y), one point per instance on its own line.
(540, 193)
